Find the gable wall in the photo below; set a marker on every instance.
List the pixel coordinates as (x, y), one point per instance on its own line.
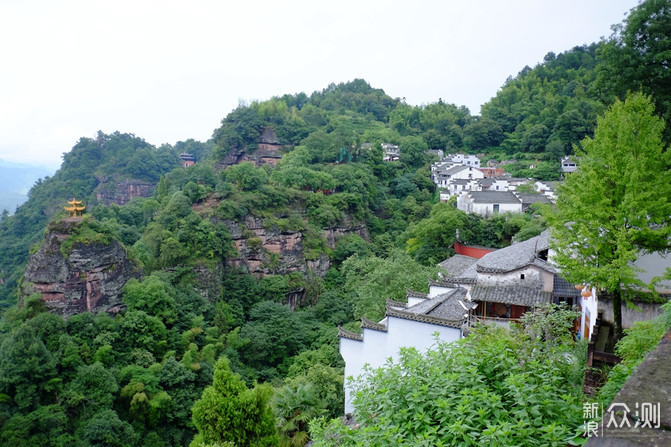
(378, 346)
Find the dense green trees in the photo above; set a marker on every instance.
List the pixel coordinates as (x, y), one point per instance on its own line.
(492, 388)
(636, 57)
(554, 101)
(230, 412)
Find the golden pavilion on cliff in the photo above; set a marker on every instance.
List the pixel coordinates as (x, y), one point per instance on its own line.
(75, 209)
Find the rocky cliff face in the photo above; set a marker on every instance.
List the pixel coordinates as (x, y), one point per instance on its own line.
(89, 278)
(121, 190)
(267, 151)
(269, 251)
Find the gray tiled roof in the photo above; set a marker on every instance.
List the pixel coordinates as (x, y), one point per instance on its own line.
(453, 307)
(439, 283)
(564, 289)
(493, 197)
(468, 276)
(457, 264)
(455, 169)
(447, 309)
(510, 294)
(516, 256)
(461, 181)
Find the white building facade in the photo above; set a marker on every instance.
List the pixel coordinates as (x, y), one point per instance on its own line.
(488, 203)
(464, 159)
(443, 313)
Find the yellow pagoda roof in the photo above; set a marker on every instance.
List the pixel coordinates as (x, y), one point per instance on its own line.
(75, 209)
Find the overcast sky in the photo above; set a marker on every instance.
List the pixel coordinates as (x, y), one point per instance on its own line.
(172, 70)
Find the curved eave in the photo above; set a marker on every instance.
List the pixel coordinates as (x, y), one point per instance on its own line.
(369, 324)
(442, 284)
(395, 303)
(343, 333)
(414, 294)
(456, 324)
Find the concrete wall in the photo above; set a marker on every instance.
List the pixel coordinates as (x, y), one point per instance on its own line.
(642, 312)
(378, 346)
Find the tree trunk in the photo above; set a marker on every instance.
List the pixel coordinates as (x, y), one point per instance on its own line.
(617, 313)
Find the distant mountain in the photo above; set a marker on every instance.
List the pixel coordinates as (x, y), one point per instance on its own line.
(16, 179)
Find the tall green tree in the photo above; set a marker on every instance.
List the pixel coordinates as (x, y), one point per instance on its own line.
(617, 204)
(229, 412)
(294, 408)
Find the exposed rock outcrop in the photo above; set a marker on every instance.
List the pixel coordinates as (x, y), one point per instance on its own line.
(89, 278)
(267, 151)
(267, 251)
(264, 251)
(121, 190)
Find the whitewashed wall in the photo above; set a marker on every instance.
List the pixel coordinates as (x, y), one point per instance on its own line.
(487, 209)
(378, 346)
(532, 276)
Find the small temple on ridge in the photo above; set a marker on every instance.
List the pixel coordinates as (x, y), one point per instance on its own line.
(75, 209)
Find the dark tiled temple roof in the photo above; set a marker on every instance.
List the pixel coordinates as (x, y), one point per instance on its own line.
(511, 294)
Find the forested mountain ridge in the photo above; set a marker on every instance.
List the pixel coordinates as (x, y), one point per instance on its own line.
(145, 368)
(134, 379)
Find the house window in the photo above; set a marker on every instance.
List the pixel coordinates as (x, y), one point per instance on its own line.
(496, 208)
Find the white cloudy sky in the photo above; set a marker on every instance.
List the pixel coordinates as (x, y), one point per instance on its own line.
(171, 70)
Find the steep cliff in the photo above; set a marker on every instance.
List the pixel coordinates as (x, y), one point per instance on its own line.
(77, 275)
(120, 190)
(265, 249)
(268, 150)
